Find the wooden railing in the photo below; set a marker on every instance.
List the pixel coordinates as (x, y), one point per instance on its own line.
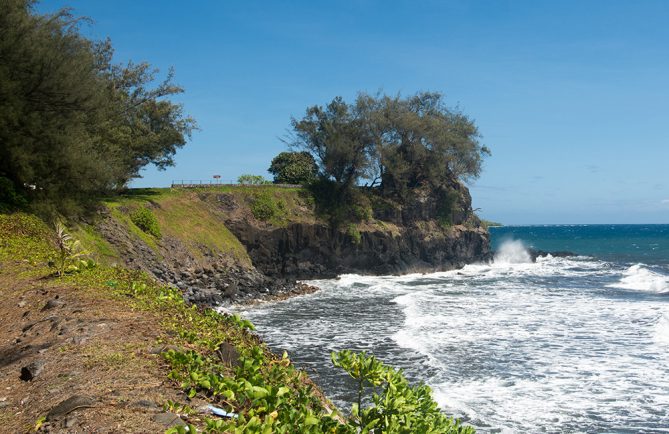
(198, 183)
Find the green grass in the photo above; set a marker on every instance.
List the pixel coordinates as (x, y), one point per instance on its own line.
(186, 217)
(119, 212)
(25, 237)
(92, 241)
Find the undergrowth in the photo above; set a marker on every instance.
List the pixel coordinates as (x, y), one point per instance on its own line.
(144, 219)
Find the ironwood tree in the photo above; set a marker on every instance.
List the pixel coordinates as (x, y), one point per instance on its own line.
(393, 144)
(73, 125)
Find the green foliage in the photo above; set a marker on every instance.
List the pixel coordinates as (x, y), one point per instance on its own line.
(353, 232)
(266, 207)
(339, 205)
(394, 144)
(10, 199)
(73, 125)
(396, 406)
(25, 237)
(337, 139)
(70, 255)
(144, 219)
(266, 391)
(248, 179)
(446, 201)
(293, 168)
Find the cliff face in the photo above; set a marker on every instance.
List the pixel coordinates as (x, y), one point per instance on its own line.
(314, 250)
(215, 248)
(400, 240)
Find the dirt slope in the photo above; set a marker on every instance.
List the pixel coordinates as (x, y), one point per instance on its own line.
(80, 345)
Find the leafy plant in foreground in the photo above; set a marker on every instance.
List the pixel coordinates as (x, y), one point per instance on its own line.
(69, 252)
(397, 407)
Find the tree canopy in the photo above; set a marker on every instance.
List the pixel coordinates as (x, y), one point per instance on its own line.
(393, 143)
(73, 125)
(293, 168)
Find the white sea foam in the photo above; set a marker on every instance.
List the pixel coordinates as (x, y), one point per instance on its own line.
(511, 345)
(639, 278)
(662, 329)
(512, 252)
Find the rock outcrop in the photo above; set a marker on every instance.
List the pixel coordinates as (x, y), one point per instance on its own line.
(314, 250)
(416, 237)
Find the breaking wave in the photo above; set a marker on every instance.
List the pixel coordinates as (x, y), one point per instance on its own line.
(639, 278)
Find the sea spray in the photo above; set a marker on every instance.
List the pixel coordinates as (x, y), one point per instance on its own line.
(512, 252)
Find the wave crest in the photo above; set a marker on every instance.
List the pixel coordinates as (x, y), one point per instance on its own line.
(639, 278)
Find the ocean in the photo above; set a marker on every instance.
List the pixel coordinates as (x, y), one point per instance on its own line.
(563, 344)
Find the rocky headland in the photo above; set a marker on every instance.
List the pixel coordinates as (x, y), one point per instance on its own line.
(215, 249)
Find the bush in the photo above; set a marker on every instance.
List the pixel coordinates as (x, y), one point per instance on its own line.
(293, 168)
(399, 407)
(248, 179)
(9, 198)
(144, 219)
(266, 207)
(353, 232)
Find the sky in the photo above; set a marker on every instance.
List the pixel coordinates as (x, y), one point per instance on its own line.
(572, 97)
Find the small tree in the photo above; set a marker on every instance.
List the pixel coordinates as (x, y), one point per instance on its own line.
(293, 168)
(248, 179)
(69, 252)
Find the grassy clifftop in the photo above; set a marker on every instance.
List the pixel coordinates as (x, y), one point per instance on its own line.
(196, 218)
(233, 243)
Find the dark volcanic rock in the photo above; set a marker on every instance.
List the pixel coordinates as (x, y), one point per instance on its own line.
(32, 370)
(168, 419)
(315, 251)
(228, 354)
(535, 253)
(69, 405)
(404, 238)
(53, 303)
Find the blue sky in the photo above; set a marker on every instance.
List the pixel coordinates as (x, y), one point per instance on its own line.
(572, 97)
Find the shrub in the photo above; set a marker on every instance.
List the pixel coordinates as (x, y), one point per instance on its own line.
(69, 253)
(399, 407)
(9, 198)
(248, 179)
(353, 232)
(293, 168)
(266, 207)
(144, 219)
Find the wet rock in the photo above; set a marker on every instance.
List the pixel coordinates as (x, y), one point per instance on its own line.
(69, 405)
(535, 253)
(168, 419)
(29, 372)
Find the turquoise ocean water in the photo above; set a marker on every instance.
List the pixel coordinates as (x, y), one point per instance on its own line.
(563, 344)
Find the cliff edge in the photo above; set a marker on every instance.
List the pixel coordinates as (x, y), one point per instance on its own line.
(232, 243)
